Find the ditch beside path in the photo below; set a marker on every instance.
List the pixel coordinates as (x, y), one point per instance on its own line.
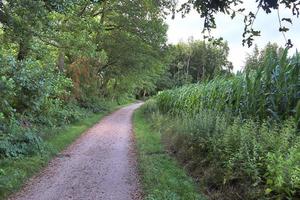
(101, 164)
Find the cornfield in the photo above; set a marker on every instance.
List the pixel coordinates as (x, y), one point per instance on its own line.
(270, 92)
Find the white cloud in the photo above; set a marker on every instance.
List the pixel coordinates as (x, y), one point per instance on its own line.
(180, 29)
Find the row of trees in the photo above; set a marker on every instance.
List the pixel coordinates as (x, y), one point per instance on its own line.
(193, 62)
(103, 41)
(90, 34)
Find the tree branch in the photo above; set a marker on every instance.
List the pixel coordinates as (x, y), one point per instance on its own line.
(83, 9)
(3, 16)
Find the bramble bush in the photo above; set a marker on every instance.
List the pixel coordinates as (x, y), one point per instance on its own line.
(30, 87)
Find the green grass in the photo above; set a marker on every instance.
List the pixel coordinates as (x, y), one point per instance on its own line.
(72, 132)
(14, 172)
(162, 177)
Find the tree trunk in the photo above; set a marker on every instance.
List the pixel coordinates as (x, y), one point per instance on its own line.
(23, 49)
(101, 24)
(61, 61)
(103, 12)
(3, 17)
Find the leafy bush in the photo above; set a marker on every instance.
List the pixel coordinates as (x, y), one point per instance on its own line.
(29, 87)
(32, 95)
(18, 141)
(7, 94)
(94, 103)
(35, 96)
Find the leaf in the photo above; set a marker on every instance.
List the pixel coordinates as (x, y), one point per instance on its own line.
(233, 15)
(268, 191)
(283, 29)
(287, 20)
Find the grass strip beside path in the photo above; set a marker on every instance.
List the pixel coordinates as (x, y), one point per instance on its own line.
(161, 176)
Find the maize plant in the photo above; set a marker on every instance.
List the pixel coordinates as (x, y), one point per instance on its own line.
(270, 92)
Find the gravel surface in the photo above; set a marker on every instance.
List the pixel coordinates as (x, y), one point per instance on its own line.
(101, 164)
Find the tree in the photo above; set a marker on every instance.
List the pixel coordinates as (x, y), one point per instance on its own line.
(195, 61)
(23, 20)
(133, 43)
(271, 52)
(98, 43)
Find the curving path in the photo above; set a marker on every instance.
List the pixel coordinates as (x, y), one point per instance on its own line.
(101, 164)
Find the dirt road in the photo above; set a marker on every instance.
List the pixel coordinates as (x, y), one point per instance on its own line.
(101, 164)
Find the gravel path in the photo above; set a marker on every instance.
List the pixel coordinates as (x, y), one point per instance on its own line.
(101, 164)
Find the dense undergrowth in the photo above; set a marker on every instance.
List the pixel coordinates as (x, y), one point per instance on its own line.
(61, 61)
(238, 136)
(35, 97)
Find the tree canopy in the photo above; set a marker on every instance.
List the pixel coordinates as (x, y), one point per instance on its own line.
(110, 40)
(195, 61)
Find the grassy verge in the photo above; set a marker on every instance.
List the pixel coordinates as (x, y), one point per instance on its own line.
(14, 172)
(161, 176)
(67, 136)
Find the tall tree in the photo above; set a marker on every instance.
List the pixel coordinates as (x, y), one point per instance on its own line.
(196, 61)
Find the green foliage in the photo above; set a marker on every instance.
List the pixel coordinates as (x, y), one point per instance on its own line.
(67, 33)
(238, 135)
(272, 91)
(233, 158)
(32, 89)
(195, 61)
(61, 60)
(261, 58)
(20, 142)
(34, 96)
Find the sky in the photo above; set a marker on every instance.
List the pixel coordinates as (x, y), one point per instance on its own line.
(181, 29)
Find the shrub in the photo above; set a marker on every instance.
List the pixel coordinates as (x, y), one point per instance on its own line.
(32, 95)
(28, 87)
(19, 141)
